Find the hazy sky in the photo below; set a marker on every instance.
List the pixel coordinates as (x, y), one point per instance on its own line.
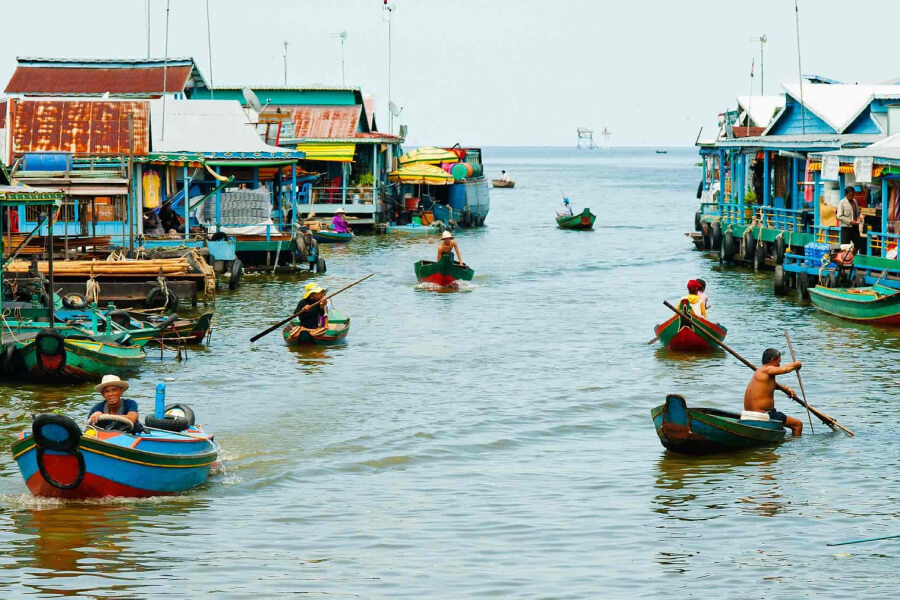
(492, 72)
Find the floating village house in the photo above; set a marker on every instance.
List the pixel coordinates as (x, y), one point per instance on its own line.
(763, 182)
(347, 158)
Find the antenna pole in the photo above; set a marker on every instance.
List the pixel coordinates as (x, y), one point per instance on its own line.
(165, 73)
(762, 69)
(147, 8)
(343, 37)
(390, 9)
(800, 68)
(285, 62)
(209, 49)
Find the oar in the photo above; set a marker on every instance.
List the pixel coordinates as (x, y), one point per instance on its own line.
(821, 416)
(799, 378)
(874, 539)
(283, 321)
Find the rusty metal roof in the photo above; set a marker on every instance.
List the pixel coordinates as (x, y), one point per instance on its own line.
(326, 121)
(2, 113)
(87, 127)
(89, 81)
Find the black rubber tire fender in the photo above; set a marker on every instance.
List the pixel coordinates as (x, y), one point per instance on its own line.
(748, 245)
(39, 346)
(82, 469)
(780, 250)
(859, 279)
(700, 190)
(9, 354)
(155, 299)
(320, 265)
(831, 280)
(237, 272)
(74, 300)
(167, 423)
(697, 222)
(759, 256)
(188, 412)
(716, 235)
(778, 280)
(67, 424)
(218, 236)
(729, 246)
(803, 284)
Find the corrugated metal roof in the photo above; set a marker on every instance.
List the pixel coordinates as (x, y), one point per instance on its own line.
(326, 121)
(92, 127)
(85, 81)
(809, 140)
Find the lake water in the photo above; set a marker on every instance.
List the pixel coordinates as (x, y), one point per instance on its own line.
(495, 442)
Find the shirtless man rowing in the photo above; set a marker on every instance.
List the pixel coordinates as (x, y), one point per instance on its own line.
(760, 394)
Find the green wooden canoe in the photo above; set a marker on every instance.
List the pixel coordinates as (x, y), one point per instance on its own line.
(52, 356)
(337, 329)
(876, 304)
(444, 273)
(584, 220)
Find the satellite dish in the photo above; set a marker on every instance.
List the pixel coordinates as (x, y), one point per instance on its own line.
(394, 109)
(251, 99)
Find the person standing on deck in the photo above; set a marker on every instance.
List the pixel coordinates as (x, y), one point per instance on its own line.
(316, 316)
(760, 394)
(338, 223)
(847, 219)
(693, 298)
(447, 246)
(566, 209)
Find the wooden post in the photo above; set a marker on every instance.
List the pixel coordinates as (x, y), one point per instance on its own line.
(218, 202)
(130, 201)
(187, 204)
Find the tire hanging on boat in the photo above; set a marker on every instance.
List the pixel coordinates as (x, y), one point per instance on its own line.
(50, 350)
(57, 433)
(803, 284)
(716, 235)
(778, 280)
(237, 272)
(157, 299)
(749, 246)
(728, 247)
(697, 222)
(859, 279)
(780, 249)
(759, 257)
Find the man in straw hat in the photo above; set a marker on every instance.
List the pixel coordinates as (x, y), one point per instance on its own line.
(447, 246)
(338, 222)
(316, 316)
(112, 388)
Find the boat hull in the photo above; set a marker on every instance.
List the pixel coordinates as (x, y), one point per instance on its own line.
(680, 334)
(80, 360)
(335, 333)
(332, 237)
(876, 304)
(473, 209)
(444, 273)
(582, 221)
(499, 183)
(709, 431)
(116, 464)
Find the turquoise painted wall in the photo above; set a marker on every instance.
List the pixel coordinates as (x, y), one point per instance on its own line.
(791, 121)
(279, 97)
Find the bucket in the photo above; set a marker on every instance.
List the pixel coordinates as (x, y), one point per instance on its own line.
(427, 217)
(416, 220)
(410, 203)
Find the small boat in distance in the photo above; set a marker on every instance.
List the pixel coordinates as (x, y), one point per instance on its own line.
(688, 332)
(662, 151)
(583, 220)
(710, 430)
(877, 304)
(501, 183)
(445, 273)
(337, 329)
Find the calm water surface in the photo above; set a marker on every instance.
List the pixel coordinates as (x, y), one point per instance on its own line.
(496, 442)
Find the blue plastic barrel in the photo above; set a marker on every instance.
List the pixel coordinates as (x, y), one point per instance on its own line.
(46, 161)
(456, 197)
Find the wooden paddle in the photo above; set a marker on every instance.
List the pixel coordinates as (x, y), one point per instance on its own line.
(821, 416)
(283, 321)
(799, 378)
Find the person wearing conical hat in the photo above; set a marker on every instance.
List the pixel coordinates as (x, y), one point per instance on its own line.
(112, 388)
(313, 305)
(339, 223)
(447, 246)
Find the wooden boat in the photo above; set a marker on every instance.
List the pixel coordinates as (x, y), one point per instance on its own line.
(337, 329)
(58, 460)
(500, 183)
(193, 331)
(688, 332)
(877, 304)
(445, 273)
(329, 236)
(709, 430)
(52, 356)
(584, 220)
(412, 228)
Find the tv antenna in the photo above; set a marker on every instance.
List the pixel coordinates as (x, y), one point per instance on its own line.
(762, 43)
(343, 37)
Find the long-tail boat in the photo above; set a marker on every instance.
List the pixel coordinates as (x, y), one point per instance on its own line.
(172, 454)
(710, 430)
(877, 304)
(337, 329)
(445, 273)
(583, 220)
(681, 334)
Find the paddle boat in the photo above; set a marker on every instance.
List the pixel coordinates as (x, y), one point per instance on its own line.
(688, 332)
(445, 273)
(172, 454)
(582, 221)
(54, 355)
(501, 183)
(710, 430)
(334, 333)
(877, 304)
